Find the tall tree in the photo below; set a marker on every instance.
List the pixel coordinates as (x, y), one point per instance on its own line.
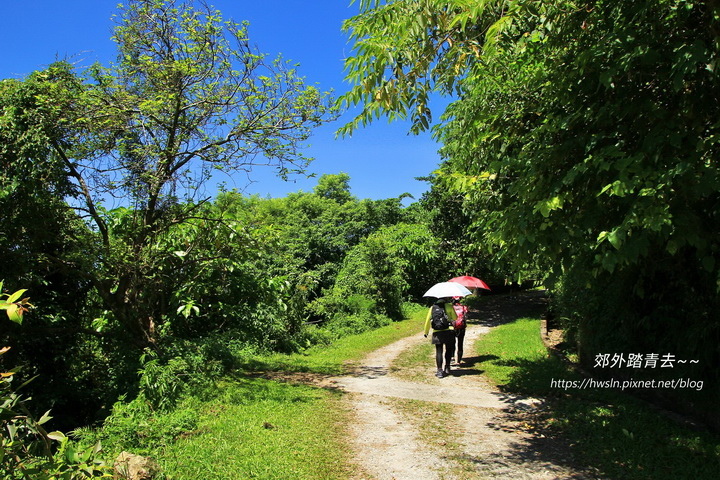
(188, 97)
(583, 139)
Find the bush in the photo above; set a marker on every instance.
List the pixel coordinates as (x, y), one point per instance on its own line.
(410, 309)
(328, 306)
(347, 315)
(345, 325)
(137, 427)
(316, 335)
(639, 309)
(474, 302)
(28, 451)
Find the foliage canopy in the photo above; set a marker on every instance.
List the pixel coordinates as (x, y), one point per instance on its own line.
(582, 144)
(188, 97)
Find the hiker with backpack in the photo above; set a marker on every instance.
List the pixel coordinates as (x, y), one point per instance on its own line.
(440, 318)
(459, 326)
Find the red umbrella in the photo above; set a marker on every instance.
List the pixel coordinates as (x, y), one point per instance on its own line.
(470, 282)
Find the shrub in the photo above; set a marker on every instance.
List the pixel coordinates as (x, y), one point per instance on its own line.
(345, 325)
(28, 451)
(137, 427)
(410, 309)
(474, 302)
(316, 335)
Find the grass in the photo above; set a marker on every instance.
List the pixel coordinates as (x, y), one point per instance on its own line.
(616, 434)
(416, 364)
(437, 430)
(264, 429)
(257, 428)
(514, 358)
(336, 358)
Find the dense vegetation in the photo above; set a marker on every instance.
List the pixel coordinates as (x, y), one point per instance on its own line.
(139, 279)
(630, 440)
(580, 150)
(581, 147)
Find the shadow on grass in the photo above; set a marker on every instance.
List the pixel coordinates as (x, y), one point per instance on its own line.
(465, 373)
(468, 367)
(606, 433)
(470, 362)
(600, 433)
(246, 390)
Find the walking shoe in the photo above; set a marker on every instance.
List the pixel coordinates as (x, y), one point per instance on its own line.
(439, 373)
(447, 370)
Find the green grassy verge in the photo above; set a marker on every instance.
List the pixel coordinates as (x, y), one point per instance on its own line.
(620, 436)
(334, 359)
(416, 364)
(264, 429)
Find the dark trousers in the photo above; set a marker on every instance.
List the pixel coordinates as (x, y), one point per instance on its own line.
(449, 352)
(460, 337)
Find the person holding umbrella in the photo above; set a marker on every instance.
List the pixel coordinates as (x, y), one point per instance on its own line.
(440, 318)
(459, 326)
(468, 282)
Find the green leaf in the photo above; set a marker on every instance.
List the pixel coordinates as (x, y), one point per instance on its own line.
(15, 296)
(57, 436)
(616, 238)
(71, 455)
(45, 418)
(547, 206)
(15, 313)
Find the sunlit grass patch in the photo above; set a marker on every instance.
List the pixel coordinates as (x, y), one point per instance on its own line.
(416, 364)
(514, 357)
(260, 428)
(336, 358)
(248, 426)
(264, 429)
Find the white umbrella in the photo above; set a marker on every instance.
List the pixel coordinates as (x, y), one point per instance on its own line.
(447, 289)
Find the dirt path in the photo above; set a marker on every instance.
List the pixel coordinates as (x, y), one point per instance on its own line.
(492, 439)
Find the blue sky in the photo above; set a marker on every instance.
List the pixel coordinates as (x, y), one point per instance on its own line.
(382, 159)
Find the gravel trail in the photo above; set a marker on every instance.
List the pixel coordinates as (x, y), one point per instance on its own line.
(492, 438)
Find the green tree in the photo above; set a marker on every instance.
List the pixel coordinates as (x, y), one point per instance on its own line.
(405, 50)
(188, 96)
(315, 230)
(335, 187)
(309, 237)
(450, 217)
(581, 145)
(388, 266)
